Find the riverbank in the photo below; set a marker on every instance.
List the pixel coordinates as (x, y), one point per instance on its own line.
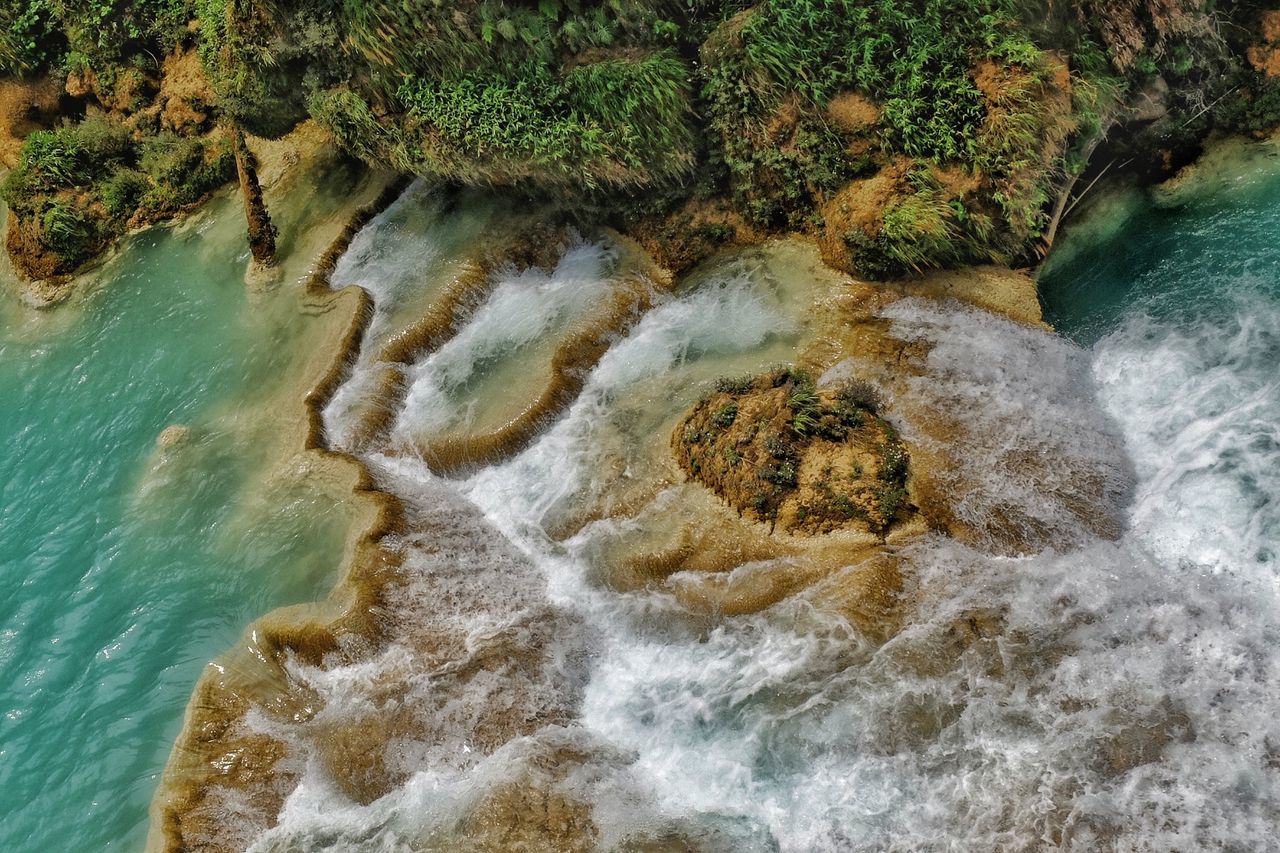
(969, 148)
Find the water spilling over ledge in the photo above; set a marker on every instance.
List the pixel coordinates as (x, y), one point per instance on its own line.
(568, 644)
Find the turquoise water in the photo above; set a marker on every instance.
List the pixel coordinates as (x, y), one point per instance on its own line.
(123, 570)
(1178, 295)
(1194, 253)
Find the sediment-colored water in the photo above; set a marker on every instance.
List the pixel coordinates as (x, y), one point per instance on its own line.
(569, 647)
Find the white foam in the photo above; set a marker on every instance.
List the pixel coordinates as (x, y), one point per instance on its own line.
(1105, 695)
(385, 257)
(400, 254)
(728, 316)
(524, 307)
(388, 254)
(1200, 403)
(1011, 413)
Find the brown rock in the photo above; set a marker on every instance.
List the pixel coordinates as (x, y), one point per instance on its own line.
(1265, 58)
(183, 116)
(852, 112)
(25, 106)
(1270, 25)
(859, 206)
(1152, 101)
(185, 93)
(780, 451)
(81, 83)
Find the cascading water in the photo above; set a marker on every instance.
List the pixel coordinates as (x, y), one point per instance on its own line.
(445, 390)
(1108, 683)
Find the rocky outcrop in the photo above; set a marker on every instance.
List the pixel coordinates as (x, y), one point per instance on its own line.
(186, 99)
(783, 452)
(1265, 54)
(25, 106)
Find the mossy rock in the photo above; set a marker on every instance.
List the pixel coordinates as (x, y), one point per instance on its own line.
(810, 460)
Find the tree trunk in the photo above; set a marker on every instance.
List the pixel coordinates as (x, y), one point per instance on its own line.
(262, 234)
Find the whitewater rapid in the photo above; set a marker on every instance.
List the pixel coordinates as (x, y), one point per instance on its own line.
(1111, 691)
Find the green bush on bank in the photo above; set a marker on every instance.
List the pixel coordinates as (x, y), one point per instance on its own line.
(912, 56)
(26, 35)
(102, 35)
(82, 183)
(610, 122)
(780, 64)
(600, 101)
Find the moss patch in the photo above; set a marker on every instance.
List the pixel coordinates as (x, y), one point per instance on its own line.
(782, 451)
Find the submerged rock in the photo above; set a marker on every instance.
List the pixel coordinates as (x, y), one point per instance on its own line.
(173, 436)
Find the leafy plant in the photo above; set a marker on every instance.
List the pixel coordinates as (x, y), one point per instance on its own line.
(122, 191)
(805, 408)
(913, 56)
(724, 416)
(68, 233)
(855, 397)
(27, 35)
(734, 385)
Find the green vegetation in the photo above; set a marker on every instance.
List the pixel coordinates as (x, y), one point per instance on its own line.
(725, 416)
(855, 397)
(912, 56)
(102, 35)
(733, 384)
(775, 70)
(806, 408)
(905, 134)
(611, 121)
(562, 96)
(80, 185)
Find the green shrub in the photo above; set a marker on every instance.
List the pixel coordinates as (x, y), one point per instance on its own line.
(782, 475)
(805, 406)
(98, 34)
(68, 233)
(921, 229)
(926, 229)
(68, 156)
(187, 169)
(893, 462)
(913, 56)
(56, 158)
(28, 37)
(724, 416)
(122, 191)
(348, 116)
(890, 498)
(612, 122)
(734, 384)
(169, 158)
(855, 399)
